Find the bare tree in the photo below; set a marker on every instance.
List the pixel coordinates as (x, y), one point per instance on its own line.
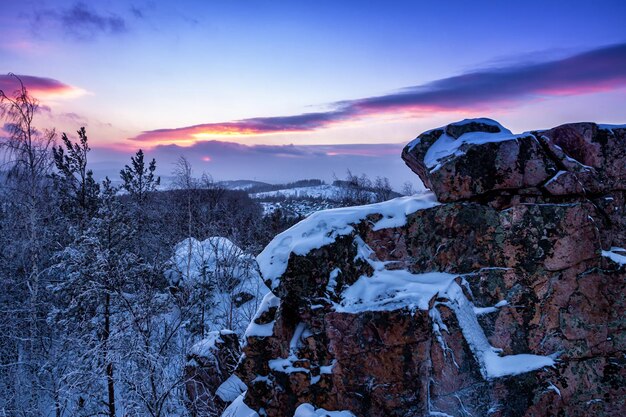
(26, 157)
(382, 189)
(184, 181)
(407, 188)
(26, 152)
(355, 190)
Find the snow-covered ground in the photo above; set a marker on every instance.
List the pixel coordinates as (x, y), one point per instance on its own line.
(307, 410)
(241, 184)
(297, 208)
(302, 201)
(330, 192)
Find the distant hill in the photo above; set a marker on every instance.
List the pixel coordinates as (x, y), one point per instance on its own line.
(244, 185)
(324, 191)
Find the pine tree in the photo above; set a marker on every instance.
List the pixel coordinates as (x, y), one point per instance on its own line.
(78, 190)
(98, 268)
(139, 180)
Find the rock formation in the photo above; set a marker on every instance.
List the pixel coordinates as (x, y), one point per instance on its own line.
(501, 294)
(210, 362)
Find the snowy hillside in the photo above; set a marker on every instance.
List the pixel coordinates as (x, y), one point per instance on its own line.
(241, 184)
(331, 192)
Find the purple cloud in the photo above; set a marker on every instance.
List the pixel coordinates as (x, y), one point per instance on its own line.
(80, 21)
(40, 87)
(596, 70)
(592, 71)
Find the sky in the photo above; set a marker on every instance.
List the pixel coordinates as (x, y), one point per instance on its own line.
(281, 90)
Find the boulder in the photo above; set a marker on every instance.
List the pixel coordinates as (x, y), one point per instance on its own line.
(479, 159)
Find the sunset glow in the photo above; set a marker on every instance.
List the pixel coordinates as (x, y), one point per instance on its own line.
(193, 77)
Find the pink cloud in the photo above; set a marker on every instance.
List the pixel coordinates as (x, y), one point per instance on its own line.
(40, 87)
(596, 70)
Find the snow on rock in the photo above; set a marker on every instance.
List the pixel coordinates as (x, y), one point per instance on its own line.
(322, 228)
(210, 362)
(617, 255)
(397, 289)
(207, 347)
(285, 365)
(492, 365)
(448, 145)
(398, 317)
(257, 329)
(307, 410)
(390, 290)
(475, 157)
(492, 309)
(239, 409)
(230, 389)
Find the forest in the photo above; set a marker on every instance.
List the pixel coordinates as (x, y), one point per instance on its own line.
(108, 284)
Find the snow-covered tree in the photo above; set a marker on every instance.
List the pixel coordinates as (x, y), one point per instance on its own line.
(77, 188)
(139, 179)
(97, 270)
(219, 280)
(28, 227)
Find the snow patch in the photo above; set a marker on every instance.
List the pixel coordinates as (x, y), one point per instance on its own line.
(285, 365)
(207, 347)
(611, 127)
(230, 389)
(394, 289)
(447, 146)
(492, 365)
(239, 409)
(307, 410)
(556, 176)
(332, 280)
(552, 387)
(479, 311)
(263, 330)
(616, 257)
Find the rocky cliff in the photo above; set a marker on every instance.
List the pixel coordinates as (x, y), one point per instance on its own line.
(501, 293)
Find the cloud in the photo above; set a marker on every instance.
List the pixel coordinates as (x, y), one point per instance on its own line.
(254, 126)
(137, 12)
(272, 163)
(80, 21)
(596, 70)
(40, 87)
